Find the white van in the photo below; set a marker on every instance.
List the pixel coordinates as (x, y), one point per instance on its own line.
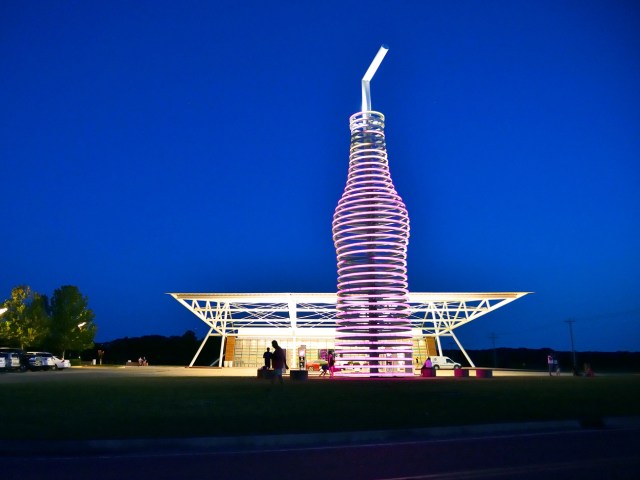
(444, 363)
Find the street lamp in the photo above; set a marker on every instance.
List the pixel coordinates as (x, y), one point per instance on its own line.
(80, 325)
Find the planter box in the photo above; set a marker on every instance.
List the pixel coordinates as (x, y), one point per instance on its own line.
(298, 375)
(263, 373)
(484, 373)
(458, 372)
(427, 372)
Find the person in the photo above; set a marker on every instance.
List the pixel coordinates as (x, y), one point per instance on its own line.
(140, 361)
(325, 369)
(267, 359)
(331, 361)
(550, 364)
(426, 367)
(556, 367)
(278, 361)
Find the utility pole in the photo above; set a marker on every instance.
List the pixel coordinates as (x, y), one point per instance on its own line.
(573, 350)
(493, 337)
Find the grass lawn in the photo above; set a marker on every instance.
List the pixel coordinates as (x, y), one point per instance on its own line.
(129, 407)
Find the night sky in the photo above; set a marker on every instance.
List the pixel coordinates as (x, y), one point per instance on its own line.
(201, 146)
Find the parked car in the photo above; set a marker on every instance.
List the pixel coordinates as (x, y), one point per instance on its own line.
(15, 359)
(3, 363)
(9, 361)
(40, 361)
(315, 365)
(61, 363)
(444, 363)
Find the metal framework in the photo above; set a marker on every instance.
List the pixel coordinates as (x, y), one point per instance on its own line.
(297, 314)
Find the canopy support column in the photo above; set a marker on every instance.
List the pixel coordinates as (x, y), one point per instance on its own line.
(201, 346)
(224, 339)
(464, 352)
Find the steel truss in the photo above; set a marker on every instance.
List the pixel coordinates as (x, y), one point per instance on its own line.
(437, 314)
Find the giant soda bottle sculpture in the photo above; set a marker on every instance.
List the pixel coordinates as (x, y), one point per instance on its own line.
(371, 234)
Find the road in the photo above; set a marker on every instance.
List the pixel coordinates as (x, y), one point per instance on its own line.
(585, 454)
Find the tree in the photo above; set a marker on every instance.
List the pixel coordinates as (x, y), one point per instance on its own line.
(26, 321)
(72, 326)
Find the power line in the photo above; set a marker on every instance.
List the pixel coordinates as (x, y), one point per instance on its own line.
(584, 319)
(573, 350)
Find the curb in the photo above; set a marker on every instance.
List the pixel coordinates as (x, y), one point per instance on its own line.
(305, 440)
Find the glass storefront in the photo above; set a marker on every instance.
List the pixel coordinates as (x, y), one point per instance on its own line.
(249, 351)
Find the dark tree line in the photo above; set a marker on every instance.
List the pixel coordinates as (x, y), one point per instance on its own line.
(157, 349)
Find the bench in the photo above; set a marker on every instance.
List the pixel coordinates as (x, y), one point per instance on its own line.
(428, 372)
(298, 375)
(484, 373)
(266, 374)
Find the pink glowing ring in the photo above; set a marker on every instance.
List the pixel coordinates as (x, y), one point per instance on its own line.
(371, 234)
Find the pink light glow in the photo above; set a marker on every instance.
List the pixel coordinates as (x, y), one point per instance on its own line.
(371, 234)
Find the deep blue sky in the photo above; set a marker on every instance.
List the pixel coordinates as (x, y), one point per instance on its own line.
(154, 146)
